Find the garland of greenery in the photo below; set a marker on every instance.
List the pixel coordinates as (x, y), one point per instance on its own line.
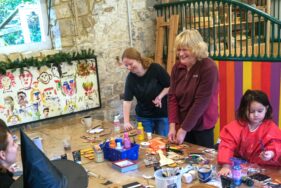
(49, 60)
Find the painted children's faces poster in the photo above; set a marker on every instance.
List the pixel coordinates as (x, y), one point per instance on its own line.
(36, 94)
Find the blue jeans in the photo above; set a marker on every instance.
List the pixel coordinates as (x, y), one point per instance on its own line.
(155, 125)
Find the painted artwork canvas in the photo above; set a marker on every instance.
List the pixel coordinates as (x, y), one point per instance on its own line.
(39, 93)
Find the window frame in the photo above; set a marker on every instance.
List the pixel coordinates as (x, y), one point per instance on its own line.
(35, 46)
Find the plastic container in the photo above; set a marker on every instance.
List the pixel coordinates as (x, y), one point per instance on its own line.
(116, 124)
(189, 176)
(99, 157)
(236, 171)
(167, 182)
(115, 155)
(140, 131)
(127, 141)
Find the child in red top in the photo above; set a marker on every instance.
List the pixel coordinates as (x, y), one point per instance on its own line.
(252, 136)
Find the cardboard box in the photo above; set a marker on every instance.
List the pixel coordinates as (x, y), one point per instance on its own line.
(124, 165)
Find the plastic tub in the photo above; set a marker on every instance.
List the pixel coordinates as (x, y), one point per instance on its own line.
(116, 155)
(167, 182)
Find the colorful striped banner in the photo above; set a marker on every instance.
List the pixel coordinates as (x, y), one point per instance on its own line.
(217, 126)
(247, 76)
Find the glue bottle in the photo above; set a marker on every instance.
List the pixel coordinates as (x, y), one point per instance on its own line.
(127, 141)
(140, 131)
(236, 171)
(116, 124)
(118, 143)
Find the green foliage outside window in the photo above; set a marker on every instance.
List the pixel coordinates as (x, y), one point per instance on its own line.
(6, 8)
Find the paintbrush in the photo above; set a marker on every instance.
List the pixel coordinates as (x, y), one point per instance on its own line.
(262, 145)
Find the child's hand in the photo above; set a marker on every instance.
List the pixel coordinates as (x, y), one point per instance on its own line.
(267, 155)
(225, 170)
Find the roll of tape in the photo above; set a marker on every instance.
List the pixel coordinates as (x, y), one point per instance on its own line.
(145, 144)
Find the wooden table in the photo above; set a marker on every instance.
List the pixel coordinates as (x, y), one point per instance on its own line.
(53, 135)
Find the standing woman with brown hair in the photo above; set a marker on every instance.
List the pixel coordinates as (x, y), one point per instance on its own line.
(193, 94)
(149, 83)
(8, 155)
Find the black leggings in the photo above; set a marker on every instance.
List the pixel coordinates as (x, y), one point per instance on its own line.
(202, 138)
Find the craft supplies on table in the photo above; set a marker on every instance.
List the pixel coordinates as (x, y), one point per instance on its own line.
(124, 165)
(115, 155)
(76, 156)
(127, 141)
(189, 176)
(99, 156)
(167, 177)
(163, 159)
(145, 144)
(140, 131)
(88, 153)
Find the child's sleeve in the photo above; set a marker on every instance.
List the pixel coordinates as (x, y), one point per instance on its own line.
(229, 136)
(272, 142)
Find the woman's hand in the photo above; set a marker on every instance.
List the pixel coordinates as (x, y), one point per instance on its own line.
(128, 126)
(225, 170)
(180, 136)
(157, 102)
(267, 155)
(172, 133)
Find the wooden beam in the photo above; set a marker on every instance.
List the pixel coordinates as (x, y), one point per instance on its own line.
(159, 40)
(173, 31)
(171, 27)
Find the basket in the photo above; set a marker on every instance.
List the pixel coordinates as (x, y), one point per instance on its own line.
(115, 155)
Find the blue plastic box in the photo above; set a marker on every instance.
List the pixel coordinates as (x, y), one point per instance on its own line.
(116, 155)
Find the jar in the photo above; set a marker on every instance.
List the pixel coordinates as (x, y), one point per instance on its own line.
(99, 157)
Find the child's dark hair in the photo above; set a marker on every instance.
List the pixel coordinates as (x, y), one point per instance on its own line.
(248, 97)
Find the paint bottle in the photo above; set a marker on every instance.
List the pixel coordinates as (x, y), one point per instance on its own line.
(118, 144)
(140, 131)
(112, 143)
(116, 124)
(236, 171)
(127, 141)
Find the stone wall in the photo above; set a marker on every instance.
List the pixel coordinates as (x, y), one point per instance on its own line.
(108, 27)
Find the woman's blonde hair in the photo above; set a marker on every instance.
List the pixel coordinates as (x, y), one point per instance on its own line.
(192, 40)
(132, 53)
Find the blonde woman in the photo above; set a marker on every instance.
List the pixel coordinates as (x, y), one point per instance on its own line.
(149, 83)
(193, 94)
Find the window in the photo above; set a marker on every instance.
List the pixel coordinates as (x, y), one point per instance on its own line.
(23, 26)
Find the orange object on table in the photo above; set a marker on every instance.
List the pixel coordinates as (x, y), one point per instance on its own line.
(157, 143)
(112, 144)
